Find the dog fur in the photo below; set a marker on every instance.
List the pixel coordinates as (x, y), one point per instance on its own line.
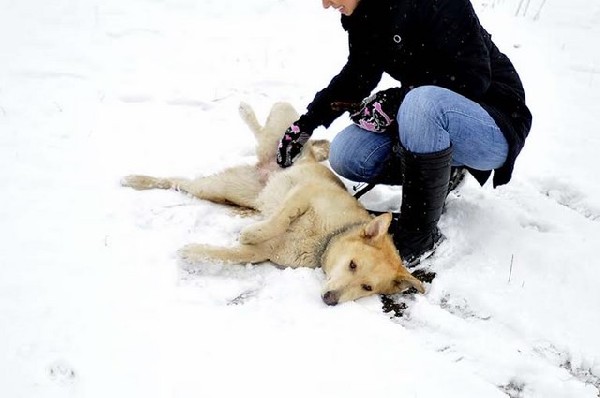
(308, 218)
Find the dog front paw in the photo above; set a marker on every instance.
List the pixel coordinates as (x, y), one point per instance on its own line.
(141, 182)
(253, 234)
(192, 253)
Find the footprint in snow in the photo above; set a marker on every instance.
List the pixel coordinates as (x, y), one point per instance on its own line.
(569, 196)
(61, 371)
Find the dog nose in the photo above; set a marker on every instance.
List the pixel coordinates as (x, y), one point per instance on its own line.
(330, 298)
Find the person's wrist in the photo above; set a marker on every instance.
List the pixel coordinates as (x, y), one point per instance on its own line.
(306, 123)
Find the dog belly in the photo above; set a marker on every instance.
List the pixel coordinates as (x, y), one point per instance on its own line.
(281, 183)
(274, 193)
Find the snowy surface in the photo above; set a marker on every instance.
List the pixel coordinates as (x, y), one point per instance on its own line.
(93, 302)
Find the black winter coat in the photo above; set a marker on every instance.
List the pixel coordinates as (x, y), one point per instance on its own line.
(428, 42)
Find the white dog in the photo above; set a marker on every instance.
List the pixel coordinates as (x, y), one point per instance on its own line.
(308, 217)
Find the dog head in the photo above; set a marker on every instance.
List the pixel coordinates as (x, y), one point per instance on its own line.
(363, 262)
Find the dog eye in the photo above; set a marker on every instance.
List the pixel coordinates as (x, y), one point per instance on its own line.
(368, 288)
(352, 266)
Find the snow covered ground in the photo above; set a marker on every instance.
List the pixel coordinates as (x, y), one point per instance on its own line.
(93, 302)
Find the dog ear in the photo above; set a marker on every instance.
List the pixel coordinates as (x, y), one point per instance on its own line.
(405, 281)
(378, 226)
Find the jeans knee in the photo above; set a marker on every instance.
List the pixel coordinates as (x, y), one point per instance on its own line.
(358, 155)
(422, 119)
(422, 102)
(336, 155)
(342, 157)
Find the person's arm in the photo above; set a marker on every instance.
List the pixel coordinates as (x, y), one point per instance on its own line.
(357, 79)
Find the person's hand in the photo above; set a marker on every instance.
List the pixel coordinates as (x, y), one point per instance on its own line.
(291, 143)
(378, 112)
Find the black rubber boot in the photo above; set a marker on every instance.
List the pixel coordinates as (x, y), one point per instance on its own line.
(426, 179)
(392, 172)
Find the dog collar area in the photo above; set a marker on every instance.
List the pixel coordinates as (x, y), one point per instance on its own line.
(332, 235)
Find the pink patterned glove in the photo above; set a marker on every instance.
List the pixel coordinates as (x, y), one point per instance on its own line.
(378, 112)
(291, 143)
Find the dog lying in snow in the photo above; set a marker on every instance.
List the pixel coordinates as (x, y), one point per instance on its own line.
(308, 217)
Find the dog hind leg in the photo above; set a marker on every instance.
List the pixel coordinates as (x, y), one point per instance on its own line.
(249, 117)
(141, 182)
(193, 187)
(237, 185)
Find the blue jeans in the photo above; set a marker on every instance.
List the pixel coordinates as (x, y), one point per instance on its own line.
(430, 119)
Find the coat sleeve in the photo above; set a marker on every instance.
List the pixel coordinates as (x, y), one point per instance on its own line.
(359, 76)
(458, 40)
